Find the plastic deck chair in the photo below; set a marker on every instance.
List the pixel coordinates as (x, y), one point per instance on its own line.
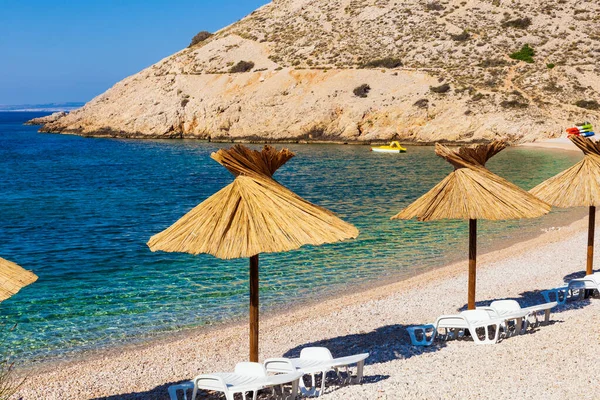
(473, 320)
(589, 282)
(248, 377)
(476, 321)
(511, 310)
(318, 360)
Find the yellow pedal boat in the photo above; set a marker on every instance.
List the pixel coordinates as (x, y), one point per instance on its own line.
(393, 147)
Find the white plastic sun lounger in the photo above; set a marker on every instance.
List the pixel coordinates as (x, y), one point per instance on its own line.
(574, 289)
(511, 310)
(476, 321)
(318, 360)
(590, 282)
(247, 377)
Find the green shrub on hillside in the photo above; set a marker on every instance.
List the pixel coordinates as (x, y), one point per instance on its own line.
(387, 62)
(588, 104)
(242, 66)
(440, 89)
(514, 104)
(525, 54)
(434, 6)
(493, 63)
(461, 37)
(362, 90)
(421, 103)
(519, 23)
(200, 37)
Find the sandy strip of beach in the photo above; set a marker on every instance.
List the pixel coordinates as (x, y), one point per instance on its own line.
(561, 143)
(555, 361)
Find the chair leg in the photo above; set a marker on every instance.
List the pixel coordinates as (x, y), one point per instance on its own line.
(294, 389)
(519, 326)
(486, 339)
(497, 332)
(359, 371)
(547, 316)
(309, 392)
(173, 392)
(415, 332)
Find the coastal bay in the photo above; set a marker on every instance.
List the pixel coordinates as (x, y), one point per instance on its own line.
(79, 212)
(228, 195)
(551, 362)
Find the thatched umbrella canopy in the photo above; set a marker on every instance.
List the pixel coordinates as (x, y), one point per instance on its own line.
(472, 192)
(252, 215)
(578, 186)
(13, 278)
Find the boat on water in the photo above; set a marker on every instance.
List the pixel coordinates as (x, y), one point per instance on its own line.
(393, 147)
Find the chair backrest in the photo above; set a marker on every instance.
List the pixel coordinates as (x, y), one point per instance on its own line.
(449, 320)
(279, 365)
(475, 315)
(505, 305)
(210, 382)
(316, 353)
(595, 277)
(250, 369)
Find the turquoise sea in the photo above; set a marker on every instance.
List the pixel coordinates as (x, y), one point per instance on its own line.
(78, 212)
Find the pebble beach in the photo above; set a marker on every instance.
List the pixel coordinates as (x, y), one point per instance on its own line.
(551, 362)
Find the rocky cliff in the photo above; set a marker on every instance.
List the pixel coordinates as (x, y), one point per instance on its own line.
(367, 70)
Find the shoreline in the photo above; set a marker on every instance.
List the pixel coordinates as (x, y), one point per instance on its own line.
(561, 143)
(261, 141)
(339, 294)
(233, 335)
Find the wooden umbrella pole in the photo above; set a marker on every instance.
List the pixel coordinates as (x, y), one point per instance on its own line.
(254, 308)
(590, 248)
(472, 262)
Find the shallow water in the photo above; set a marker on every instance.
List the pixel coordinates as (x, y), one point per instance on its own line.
(79, 211)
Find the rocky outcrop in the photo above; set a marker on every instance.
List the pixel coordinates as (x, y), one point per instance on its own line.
(456, 81)
(47, 119)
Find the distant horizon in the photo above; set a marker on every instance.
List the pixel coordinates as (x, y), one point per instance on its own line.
(60, 51)
(42, 107)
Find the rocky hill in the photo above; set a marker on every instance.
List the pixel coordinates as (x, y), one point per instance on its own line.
(368, 70)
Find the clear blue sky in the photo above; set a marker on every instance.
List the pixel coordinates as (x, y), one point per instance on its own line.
(60, 51)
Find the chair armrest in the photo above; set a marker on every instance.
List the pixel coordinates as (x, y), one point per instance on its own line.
(542, 307)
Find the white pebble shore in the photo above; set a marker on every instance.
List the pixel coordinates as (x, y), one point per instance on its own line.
(555, 361)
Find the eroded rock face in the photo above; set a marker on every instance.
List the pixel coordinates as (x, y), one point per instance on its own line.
(47, 119)
(307, 58)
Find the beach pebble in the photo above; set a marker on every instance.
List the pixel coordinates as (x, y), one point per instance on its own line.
(556, 361)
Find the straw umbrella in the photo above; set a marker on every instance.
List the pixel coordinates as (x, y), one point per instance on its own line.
(578, 186)
(252, 215)
(13, 278)
(472, 192)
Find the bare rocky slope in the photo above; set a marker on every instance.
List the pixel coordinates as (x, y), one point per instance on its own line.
(437, 71)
